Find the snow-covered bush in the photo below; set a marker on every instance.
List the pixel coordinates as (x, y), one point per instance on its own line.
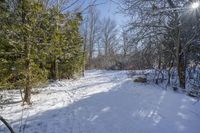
(193, 78)
(170, 78)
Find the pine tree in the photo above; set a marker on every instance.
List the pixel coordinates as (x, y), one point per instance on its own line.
(72, 62)
(30, 15)
(65, 43)
(7, 53)
(35, 43)
(22, 68)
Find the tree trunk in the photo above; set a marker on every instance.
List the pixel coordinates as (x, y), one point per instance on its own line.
(27, 49)
(181, 71)
(27, 91)
(54, 69)
(180, 57)
(84, 57)
(180, 61)
(169, 72)
(159, 61)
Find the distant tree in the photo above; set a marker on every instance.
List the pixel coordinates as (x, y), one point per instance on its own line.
(109, 36)
(90, 30)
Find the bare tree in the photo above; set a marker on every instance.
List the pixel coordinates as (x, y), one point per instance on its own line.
(90, 30)
(109, 36)
(155, 23)
(108, 43)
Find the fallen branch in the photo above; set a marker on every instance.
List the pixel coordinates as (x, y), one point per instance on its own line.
(7, 125)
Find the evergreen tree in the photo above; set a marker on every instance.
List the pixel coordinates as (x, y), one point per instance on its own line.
(21, 68)
(35, 43)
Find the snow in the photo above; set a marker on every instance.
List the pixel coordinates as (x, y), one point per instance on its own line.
(103, 102)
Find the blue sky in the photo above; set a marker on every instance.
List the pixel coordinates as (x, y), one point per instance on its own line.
(110, 9)
(107, 9)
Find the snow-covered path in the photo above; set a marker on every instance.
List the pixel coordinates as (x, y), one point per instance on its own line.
(105, 102)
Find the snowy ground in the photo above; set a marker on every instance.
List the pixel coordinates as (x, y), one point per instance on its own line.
(104, 102)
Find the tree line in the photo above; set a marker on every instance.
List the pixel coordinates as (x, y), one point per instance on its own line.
(165, 34)
(158, 34)
(101, 41)
(38, 43)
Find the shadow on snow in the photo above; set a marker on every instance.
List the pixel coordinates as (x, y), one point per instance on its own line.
(124, 109)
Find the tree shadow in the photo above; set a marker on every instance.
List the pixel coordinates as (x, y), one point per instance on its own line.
(123, 109)
(10, 102)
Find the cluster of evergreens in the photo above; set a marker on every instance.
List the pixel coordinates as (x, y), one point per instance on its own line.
(37, 44)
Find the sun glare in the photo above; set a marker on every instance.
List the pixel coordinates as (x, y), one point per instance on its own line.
(195, 5)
